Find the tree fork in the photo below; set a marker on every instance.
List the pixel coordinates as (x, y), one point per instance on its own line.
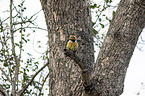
(89, 88)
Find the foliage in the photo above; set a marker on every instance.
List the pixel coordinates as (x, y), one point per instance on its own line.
(17, 67)
(101, 20)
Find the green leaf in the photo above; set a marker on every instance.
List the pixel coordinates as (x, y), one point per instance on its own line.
(94, 6)
(94, 31)
(28, 39)
(28, 70)
(110, 1)
(107, 18)
(24, 39)
(108, 5)
(96, 44)
(102, 25)
(37, 87)
(28, 34)
(24, 8)
(98, 6)
(100, 19)
(113, 13)
(19, 5)
(19, 16)
(16, 44)
(33, 30)
(29, 54)
(38, 41)
(21, 71)
(93, 23)
(23, 34)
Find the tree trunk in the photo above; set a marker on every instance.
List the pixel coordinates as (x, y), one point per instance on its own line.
(118, 46)
(65, 17)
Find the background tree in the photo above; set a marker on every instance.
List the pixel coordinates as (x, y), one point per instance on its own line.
(66, 17)
(19, 67)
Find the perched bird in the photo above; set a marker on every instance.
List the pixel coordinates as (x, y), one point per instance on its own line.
(72, 43)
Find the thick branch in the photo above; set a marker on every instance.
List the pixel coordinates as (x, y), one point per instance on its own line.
(31, 80)
(117, 48)
(84, 70)
(89, 88)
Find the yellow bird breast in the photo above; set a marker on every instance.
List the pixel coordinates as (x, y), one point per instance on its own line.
(72, 45)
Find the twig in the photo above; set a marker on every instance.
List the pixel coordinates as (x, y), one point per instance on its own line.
(5, 74)
(30, 28)
(29, 20)
(5, 19)
(16, 23)
(43, 84)
(31, 80)
(35, 14)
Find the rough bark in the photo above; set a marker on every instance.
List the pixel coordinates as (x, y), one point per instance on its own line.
(118, 46)
(65, 17)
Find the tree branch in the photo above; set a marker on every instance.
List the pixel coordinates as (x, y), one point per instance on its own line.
(5, 19)
(13, 52)
(89, 88)
(35, 14)
(31, 80)
(16, 23)
(84, 70)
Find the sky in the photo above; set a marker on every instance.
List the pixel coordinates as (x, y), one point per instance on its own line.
(135, 77)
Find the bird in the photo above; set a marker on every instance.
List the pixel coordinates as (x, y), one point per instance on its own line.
(72, 43)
